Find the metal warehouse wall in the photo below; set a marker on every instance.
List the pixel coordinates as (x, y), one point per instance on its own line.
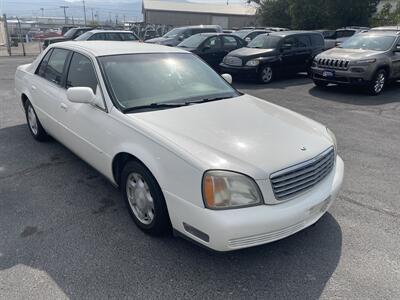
(183, 19)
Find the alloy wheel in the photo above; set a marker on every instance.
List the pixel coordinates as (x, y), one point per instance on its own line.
(139, 198)
(32, 120)
(379, 83)
(266, 74)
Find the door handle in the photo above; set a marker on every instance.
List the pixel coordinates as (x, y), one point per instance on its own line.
(64, 106)
(34, 87)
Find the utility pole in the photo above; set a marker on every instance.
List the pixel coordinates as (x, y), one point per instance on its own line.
(109, 17)
(42, 9)
(92, 16)
(84, 10)
(20, 37)
(8, 41)
(116, 20)
(65, 12)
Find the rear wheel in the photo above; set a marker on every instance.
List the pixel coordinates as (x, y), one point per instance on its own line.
(145, 199)
(266, 74)
(34, 125)
(378, 83)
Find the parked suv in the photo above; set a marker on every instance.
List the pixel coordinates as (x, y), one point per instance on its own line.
(71, 34)
(177, 35)
(273, 53)
(341, 35)
(369, 59)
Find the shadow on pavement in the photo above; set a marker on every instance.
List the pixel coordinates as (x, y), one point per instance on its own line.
(59, 216)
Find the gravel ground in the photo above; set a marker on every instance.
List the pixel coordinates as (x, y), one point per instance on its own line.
(65, 232)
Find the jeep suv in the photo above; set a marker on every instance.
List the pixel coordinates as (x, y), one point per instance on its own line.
(272, 53)
(369, 59)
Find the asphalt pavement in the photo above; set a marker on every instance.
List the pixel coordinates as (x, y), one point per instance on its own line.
(66, 233)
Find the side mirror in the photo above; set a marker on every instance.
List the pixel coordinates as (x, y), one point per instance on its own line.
(81, 95)
(181, 38)
(227, 77)
(248, 39)
(206, 48)
(397, 48)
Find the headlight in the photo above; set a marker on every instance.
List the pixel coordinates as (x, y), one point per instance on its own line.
(333, 138)
(364, 61)
(224, 189)
(253, 63)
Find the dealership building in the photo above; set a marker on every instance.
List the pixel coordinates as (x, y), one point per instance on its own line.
(189, 13)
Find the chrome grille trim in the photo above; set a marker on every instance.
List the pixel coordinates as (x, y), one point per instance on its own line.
(233, 61)
(297, 179)
(333, 63)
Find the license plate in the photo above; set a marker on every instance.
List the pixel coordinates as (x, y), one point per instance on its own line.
(320, 207)
(328, 74)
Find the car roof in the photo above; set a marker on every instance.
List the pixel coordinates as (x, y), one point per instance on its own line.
(380, 32)
(110, 31)
(104, 48)
(198, 26)
(291, 32)
(386, 28)
(216, 33)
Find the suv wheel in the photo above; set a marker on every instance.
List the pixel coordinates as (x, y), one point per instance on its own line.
(378, 83)
(145, 199)
(320, 83)
(266, 74)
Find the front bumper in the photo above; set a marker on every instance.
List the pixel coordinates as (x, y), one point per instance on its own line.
(242, 72)
(355, 75)
(234, 229)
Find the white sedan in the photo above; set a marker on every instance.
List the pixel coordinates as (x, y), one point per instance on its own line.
(189, 152)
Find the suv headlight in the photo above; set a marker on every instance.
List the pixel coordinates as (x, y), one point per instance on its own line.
(253, 63)
(364, 61)
(225, 189)
(333, 138)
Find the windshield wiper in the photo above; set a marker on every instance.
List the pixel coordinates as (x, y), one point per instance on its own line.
(208, 100)
(153, 106)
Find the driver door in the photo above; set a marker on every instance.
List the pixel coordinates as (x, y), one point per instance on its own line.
(396, 60)
(288, 54)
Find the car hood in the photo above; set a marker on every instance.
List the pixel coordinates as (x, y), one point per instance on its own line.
(244, 134)
(350, 54)
(252, 52)
(160, 40)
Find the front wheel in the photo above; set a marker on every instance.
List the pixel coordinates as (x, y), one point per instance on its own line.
(145, 199)
(378, 83)
(266, 74)
(34, 125)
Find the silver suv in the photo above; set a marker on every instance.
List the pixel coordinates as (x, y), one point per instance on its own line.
(370, 59)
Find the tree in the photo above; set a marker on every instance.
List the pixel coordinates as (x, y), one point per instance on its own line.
(388, 15)
(314, 14)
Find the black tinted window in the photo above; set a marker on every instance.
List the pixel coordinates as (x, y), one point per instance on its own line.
(112, 36)
(303, 41)
(317, 40)
(42, 68)
(55, 65)
(97, 37)
(213, 43)
(128, 37)
(229, 42)
(81, 73)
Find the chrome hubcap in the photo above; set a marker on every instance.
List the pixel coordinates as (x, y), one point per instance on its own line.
(379, 83)
(266, 74)
(32, 121)
(140, 199)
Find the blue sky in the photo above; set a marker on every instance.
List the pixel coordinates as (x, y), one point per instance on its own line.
(130, 8)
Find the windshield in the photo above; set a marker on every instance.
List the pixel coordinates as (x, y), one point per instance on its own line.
(242, 33)
(194, 41)
(70, 33)
(369, 42)
(144, 79)
(265, 41)
(173, 33)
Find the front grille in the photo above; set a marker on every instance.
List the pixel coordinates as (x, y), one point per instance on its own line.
(333, 63)
(233, 61)
(292, 181)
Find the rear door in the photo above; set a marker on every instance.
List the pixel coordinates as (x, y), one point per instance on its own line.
(47, 88)
(396, 60)
(288, 57)
(303, 52)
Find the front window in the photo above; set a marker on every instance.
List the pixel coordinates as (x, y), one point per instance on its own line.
(265, 42)
(173, 33)
(138, 80)
(369, 42)
(194, 41)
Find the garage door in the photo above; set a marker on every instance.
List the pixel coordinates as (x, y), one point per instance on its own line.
(221, 21)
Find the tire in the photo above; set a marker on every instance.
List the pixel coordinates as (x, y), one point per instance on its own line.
(145, 199)
(378, 83)
(34, 125)
(320, 83)
(266, 74)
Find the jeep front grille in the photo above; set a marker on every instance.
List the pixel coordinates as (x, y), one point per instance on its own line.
(333, 63)
(294, 180)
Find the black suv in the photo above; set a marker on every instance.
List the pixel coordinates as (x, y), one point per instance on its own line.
(273, 53)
